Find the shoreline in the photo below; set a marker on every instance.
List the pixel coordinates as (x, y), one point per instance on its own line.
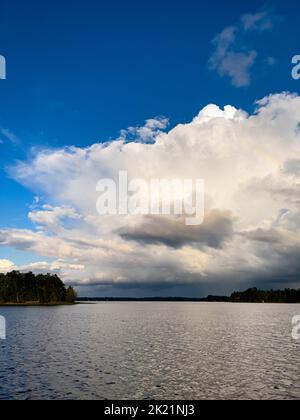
(186, 300)
(91, 302)
(34, 304)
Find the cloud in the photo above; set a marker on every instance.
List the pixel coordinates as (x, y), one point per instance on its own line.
(251, 232)
(147, 133)
(260, 21)
(59, 267)
(9, 135)
(292, 167)
(6, 265)
(231, 56)
(52, 218)
(173, 233)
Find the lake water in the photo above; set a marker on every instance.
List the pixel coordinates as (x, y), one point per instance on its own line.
(150, 351)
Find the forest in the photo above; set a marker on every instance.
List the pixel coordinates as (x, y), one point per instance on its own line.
(272, 296)
(24, 288)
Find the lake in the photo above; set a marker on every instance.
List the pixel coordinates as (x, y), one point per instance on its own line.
(150, 351)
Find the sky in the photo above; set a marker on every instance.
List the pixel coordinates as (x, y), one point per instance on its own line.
(95, 87)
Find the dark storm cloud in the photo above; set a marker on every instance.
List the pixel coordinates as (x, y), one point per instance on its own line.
(216, 229)
(280, 253)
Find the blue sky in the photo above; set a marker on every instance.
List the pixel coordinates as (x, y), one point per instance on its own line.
(79, 72)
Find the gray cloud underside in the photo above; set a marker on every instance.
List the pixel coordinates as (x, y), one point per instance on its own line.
(216, 228)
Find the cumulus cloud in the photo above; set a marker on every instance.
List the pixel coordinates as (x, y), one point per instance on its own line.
(6, 265)
(58, 267)
(251, 230)
(231, 56)
(52, 218)
(147, 133)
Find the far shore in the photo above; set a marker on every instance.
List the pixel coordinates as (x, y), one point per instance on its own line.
(37, 304)
(172, 300)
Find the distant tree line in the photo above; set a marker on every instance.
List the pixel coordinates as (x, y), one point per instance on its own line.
(249, 296)
(155, 299)
(16, 287)
(272, 296)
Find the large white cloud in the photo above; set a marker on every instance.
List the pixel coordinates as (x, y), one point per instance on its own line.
(251, 168)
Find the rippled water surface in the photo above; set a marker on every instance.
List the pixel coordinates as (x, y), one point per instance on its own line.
(150, 351)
